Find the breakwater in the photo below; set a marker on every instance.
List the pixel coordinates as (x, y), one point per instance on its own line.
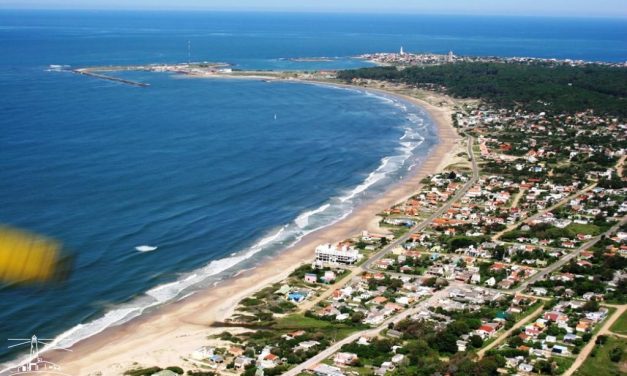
(101, 76)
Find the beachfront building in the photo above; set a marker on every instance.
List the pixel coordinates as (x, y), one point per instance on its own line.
(203, 352)
(337, 254)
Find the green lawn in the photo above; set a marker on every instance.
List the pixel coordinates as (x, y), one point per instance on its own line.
(599, 363)
(298, 321)
(620, 326)
(563, 363)
(588, 229)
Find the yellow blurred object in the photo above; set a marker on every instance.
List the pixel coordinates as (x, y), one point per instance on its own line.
(29, 258)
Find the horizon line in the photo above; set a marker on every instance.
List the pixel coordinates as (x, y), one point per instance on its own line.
(320, 11)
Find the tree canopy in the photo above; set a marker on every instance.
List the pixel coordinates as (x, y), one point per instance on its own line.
(539, 87)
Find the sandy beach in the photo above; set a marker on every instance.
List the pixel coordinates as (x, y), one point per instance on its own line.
(163, 337)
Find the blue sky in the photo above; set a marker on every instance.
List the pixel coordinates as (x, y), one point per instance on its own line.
(595, 8)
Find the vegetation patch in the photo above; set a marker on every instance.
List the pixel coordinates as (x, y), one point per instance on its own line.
(620, 326)
(607, 358)
(536, 87)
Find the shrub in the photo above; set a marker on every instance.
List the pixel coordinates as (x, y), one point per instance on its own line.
(601, 339)
(616, 354)
(476, 341)
(142, 371)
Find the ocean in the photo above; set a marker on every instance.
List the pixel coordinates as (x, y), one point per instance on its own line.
(218, 174)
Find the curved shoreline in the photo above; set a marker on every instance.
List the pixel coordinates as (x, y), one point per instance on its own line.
(177, 328)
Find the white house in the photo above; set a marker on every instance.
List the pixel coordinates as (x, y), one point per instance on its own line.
(203, 352)
(344, 358)
(306, 345)
(242, 361)
(266, 359)
(327, 370)
(525, 367)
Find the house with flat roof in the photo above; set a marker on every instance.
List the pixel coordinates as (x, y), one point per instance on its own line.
(334, 254)
(327, 370)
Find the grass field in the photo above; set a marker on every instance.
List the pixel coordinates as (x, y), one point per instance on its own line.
(299, 321)
(620, 326)
(600, 364)
(588, 229)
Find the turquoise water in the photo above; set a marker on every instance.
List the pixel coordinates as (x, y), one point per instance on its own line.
(202, 169)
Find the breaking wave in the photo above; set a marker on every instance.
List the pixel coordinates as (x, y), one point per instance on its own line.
(328, 213)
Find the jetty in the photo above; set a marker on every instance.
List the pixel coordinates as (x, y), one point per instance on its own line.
(191, 69)
(91, 73)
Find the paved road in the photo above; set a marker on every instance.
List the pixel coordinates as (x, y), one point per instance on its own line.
(422, 225)
(400, 241)
(566, 258)
(443, 293)
(312, 362)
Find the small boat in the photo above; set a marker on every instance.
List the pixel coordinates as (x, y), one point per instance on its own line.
(145, 248)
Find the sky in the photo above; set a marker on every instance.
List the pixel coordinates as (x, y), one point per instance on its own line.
(553, 8)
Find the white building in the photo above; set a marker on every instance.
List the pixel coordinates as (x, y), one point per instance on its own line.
(202, 353)
(344, 358)
(327, 370)
(332, 254)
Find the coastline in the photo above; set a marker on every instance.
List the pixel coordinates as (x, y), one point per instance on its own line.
(161, 337)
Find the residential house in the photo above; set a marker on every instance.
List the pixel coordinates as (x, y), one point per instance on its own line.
(242, 361)
(327, 370)
(345, 358)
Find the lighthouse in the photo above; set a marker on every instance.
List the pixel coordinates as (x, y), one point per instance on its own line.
(402, 52)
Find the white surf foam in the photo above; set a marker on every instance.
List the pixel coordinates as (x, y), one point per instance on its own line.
(303, 220)
(327, 214)
(145, 248)
(372, 178)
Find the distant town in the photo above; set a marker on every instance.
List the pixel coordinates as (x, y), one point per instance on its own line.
(403, 58)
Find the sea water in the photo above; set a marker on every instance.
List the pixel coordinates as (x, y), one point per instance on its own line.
(217, 174)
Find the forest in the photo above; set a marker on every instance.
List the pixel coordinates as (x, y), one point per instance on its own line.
(537, 87)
